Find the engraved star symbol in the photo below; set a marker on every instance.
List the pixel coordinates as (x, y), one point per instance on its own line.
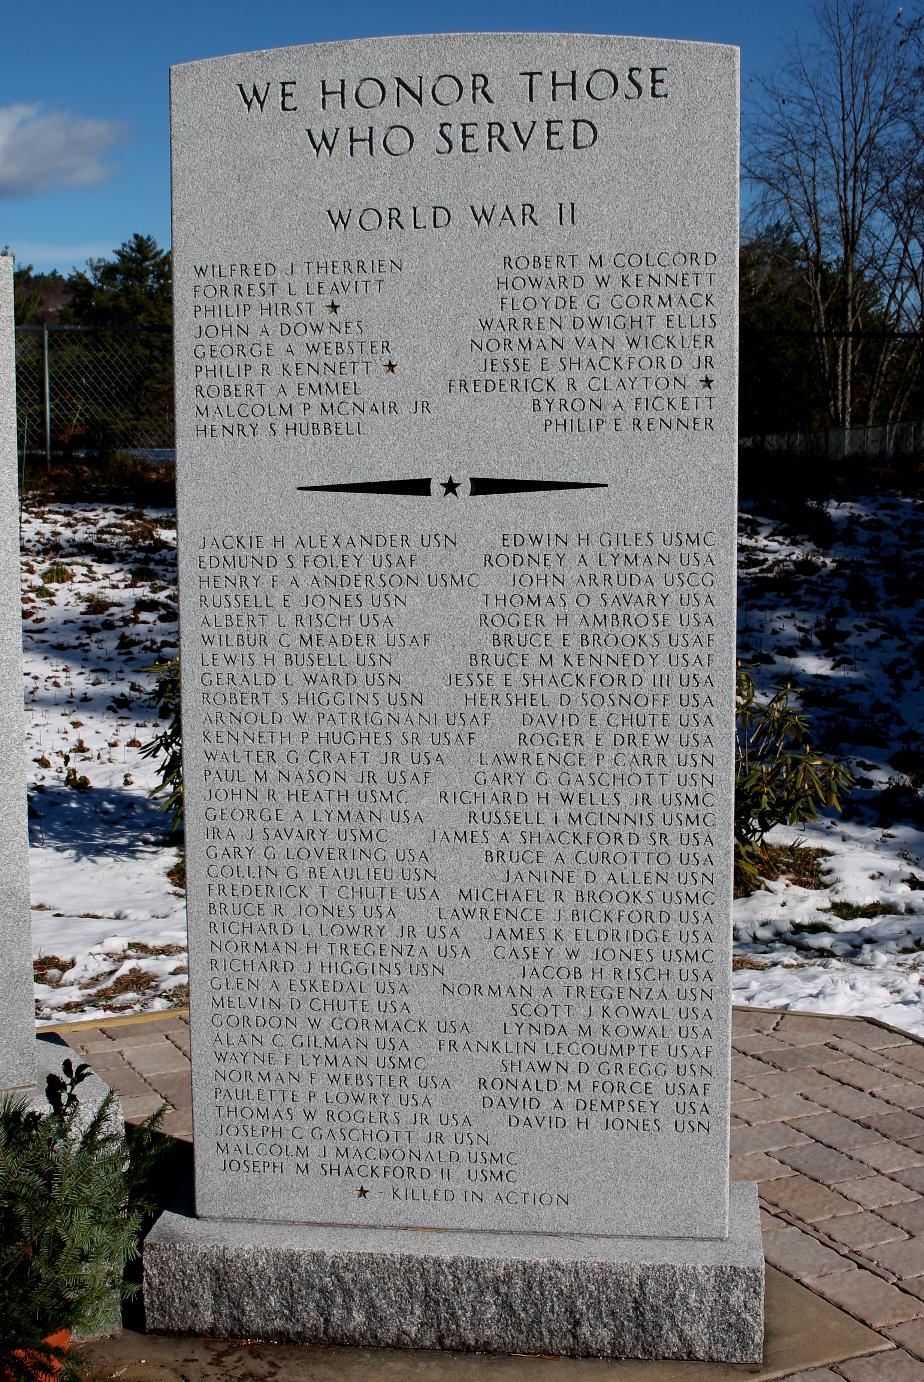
(333, 307)
(706, 382)
(390, 367)
(450, 486)
(362, 1192)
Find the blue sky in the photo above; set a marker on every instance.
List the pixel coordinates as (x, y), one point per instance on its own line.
(83, 88)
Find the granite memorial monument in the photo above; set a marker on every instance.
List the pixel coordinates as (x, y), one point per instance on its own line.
(456, 432)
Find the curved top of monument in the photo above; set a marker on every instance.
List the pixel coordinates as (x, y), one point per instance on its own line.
(498, 37)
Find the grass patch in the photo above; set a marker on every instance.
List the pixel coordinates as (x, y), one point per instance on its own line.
(850, 911)
(94, 603)
(796, 863)
(58, 573)
(178, 996)
(134, 980)
(44, 963)
(808, 564)
(142, 948)
(146, 605)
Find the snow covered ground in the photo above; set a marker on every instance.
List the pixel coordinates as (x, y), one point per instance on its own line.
(99, 611)
(830, 597)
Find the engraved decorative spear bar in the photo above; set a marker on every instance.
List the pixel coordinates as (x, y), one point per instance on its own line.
(479, 486)
(482, 485)
(375, 487)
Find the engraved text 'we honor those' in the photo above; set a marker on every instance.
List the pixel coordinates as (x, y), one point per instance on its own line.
(447, 89)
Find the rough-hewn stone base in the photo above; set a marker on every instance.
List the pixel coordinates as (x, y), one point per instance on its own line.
(399, 1288)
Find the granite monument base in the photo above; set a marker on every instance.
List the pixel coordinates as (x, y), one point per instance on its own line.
(482, 1292)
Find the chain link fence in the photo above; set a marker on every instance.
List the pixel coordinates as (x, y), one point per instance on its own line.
(94, 391)
(84, 390)
(887, 442)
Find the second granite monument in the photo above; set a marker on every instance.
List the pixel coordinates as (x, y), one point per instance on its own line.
(455, 348)
(17, 1033)
(25, 1063)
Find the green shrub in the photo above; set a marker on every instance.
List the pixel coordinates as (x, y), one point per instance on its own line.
(169, 743)
(779, 778)
(67, 1224)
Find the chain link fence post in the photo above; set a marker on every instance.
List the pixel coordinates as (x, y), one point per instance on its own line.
(46, 379)
(95, 390)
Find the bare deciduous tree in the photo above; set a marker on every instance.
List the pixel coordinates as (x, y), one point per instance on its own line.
(834, 158)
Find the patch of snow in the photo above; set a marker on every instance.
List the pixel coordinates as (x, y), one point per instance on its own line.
(99, 612)
(844, 622)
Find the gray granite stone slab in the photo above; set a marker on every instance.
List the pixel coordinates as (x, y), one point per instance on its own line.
(17, 1030)
(598, 1297)
(49, 1054)
(458, 748)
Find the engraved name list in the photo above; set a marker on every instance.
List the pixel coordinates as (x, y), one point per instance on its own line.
(455, 368)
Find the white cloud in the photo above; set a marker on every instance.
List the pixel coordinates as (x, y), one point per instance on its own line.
(41, 149)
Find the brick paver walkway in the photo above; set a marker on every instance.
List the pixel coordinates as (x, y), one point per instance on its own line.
(828, 1118)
